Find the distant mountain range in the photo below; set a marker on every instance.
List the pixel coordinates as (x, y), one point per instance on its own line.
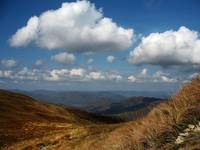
(103, 102)
(127, 105)
(84, 98)
(73, 98)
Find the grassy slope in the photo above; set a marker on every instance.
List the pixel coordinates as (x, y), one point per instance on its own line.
(160, 128)
(26, 122)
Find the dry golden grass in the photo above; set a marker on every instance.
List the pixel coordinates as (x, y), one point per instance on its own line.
(29, 124)
(160, 128)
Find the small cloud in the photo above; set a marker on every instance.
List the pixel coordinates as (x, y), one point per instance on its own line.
(90, 60)
(56, 75)
(77, 72)
(9, 63)
(132, 78)
(158, 76)
(114, 76)
(110, 59)
(64, 58)
(88, 53)
(6, 74)
(39, 62)
(96, 76)
(144, 72)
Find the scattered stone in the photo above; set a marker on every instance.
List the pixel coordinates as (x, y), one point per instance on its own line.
(191, 126)
(179, 140)
(187, 130)
(183, 135)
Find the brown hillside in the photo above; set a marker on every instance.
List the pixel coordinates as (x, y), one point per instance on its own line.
(23, 118)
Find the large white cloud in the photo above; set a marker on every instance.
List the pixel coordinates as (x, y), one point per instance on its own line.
(64, 57)
(26, 34)
(168, 48)
(76, 26)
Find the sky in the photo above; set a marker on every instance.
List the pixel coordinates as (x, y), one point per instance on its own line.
(142, 45)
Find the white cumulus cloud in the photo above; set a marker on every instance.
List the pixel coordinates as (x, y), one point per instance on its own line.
(8, 63)
(168, 48)
(158, 76)
(77, 72)
(110, 59)
(132, 78)
(95, 76)
(114, 76)
(90, 60)
(26, 34)
(64, 58)
(57, 75)
(75, 26)
(144, 72)
(6, 73)
(39, 62)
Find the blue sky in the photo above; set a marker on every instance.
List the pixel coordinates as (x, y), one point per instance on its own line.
(99, 45)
